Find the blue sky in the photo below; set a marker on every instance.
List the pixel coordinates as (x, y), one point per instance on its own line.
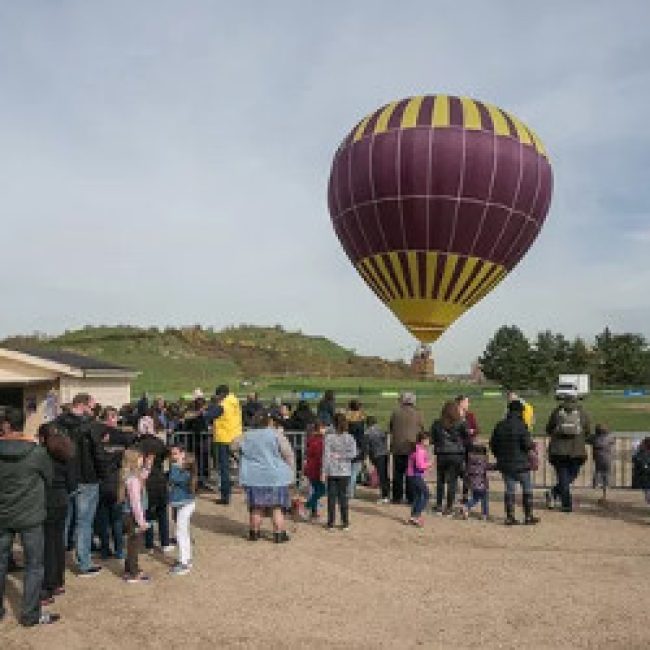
(166, 163)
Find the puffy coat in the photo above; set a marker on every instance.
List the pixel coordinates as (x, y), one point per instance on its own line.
(449, 442)
(511, 444)
(228, 425)
(562, 446)
(25, 472)
(405, 424)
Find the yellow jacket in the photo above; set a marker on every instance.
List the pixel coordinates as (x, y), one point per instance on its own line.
(228, 425)
(528, 416)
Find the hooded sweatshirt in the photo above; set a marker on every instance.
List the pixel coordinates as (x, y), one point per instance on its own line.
(25, 471)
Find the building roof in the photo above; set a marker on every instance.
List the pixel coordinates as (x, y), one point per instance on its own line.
(87, 365)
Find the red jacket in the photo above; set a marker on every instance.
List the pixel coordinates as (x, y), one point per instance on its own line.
(314, 456)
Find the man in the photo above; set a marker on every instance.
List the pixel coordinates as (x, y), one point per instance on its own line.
(471, 425)
(251, 408)
(405, 424)
(529, 413)
(25, 471)
(226, 427)
(85, 434)
(568, 427)
(511, 444)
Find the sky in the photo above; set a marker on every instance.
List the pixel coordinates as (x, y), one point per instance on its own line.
(166, 163)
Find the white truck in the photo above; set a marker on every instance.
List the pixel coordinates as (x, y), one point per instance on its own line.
(572, 386)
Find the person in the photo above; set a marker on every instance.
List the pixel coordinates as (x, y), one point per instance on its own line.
(302, 417)
(602, 444)
(133, 497)
(182, 488)
(568, 428)
(339, 449)
(405, 424)
(327, 408)
(473, 433)
(266, 471)
(377, 445)
(419, 463)
(155, 453)
(79, 426)
(449, 435)
(313, 467)
(511, 444)
(60, 450)
(356, 418)
(25, 474)
(227, 426)
(143, 405)
(529, 411)
(477, 477)
(252, 406)
(641, 468)
(109, 452)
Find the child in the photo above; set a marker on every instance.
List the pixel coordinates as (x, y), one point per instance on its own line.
(418, 464)
(602, 445)
(378, 452)
(477, 469)
(314, 466)
(339, 449)
(134, 504)
(182, 488)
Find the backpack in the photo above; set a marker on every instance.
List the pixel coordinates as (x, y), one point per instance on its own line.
(569, 423)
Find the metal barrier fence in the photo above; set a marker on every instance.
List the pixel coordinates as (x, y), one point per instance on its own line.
(621, 477)
(200, 444)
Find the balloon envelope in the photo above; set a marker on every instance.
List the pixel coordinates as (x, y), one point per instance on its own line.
(435, 199)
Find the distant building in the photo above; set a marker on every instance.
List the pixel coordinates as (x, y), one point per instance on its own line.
(422, 362)
(39, 381)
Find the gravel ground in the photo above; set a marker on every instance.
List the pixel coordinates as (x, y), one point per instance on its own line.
(574, 581)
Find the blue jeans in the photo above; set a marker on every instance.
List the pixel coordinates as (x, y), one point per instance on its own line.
(317, 491)
(420, 495)
(521, 478)
(481, 496)
(223, 458)
(109, 520)
(86, 500)
(355, 468)
(32, 541)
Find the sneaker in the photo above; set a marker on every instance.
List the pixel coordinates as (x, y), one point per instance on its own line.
(253, 535)
(91, 572)
(169, 548)
(383, 501)
(46, 618)
(179, 569)
(464, 513)
(437, 511)
(345, 527)
(416, 521)
(531, 520)
(47, 600)
(59, 591)
(511, 521)
(118, 556)
(281, 537)
(330, 527)
(141, 577)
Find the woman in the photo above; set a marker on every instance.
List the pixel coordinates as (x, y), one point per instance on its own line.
(449, 435)
(61, 450)
(266, 470)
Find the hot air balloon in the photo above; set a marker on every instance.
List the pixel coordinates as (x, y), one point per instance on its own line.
(435, 199)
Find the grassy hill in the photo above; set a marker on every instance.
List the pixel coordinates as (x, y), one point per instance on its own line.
(174, 361)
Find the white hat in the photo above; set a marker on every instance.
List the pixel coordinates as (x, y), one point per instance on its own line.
(198, 394)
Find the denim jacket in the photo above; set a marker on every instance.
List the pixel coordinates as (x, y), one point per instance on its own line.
(180, 486)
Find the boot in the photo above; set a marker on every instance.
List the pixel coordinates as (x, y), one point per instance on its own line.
(530, 519)
(509, 502)
(280, 537)
(253, 535)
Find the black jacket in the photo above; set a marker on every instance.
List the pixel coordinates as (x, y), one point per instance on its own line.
(25, 472)
(449, 442)
(85, 434)
(511, 443)
(108, 456)
(157, 482)
(357, 431)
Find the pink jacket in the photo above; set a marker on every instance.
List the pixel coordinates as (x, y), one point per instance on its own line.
(419, 461)
(134, 491)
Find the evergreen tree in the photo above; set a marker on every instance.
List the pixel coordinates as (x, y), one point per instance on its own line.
(507, 358)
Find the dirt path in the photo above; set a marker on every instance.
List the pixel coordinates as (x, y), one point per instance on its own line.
(575, 581)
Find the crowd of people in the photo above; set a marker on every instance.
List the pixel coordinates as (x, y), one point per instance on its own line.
(96, 481)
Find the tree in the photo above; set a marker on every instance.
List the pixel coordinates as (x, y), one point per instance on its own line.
(507, 358)
(581, 358)
(549, 356)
